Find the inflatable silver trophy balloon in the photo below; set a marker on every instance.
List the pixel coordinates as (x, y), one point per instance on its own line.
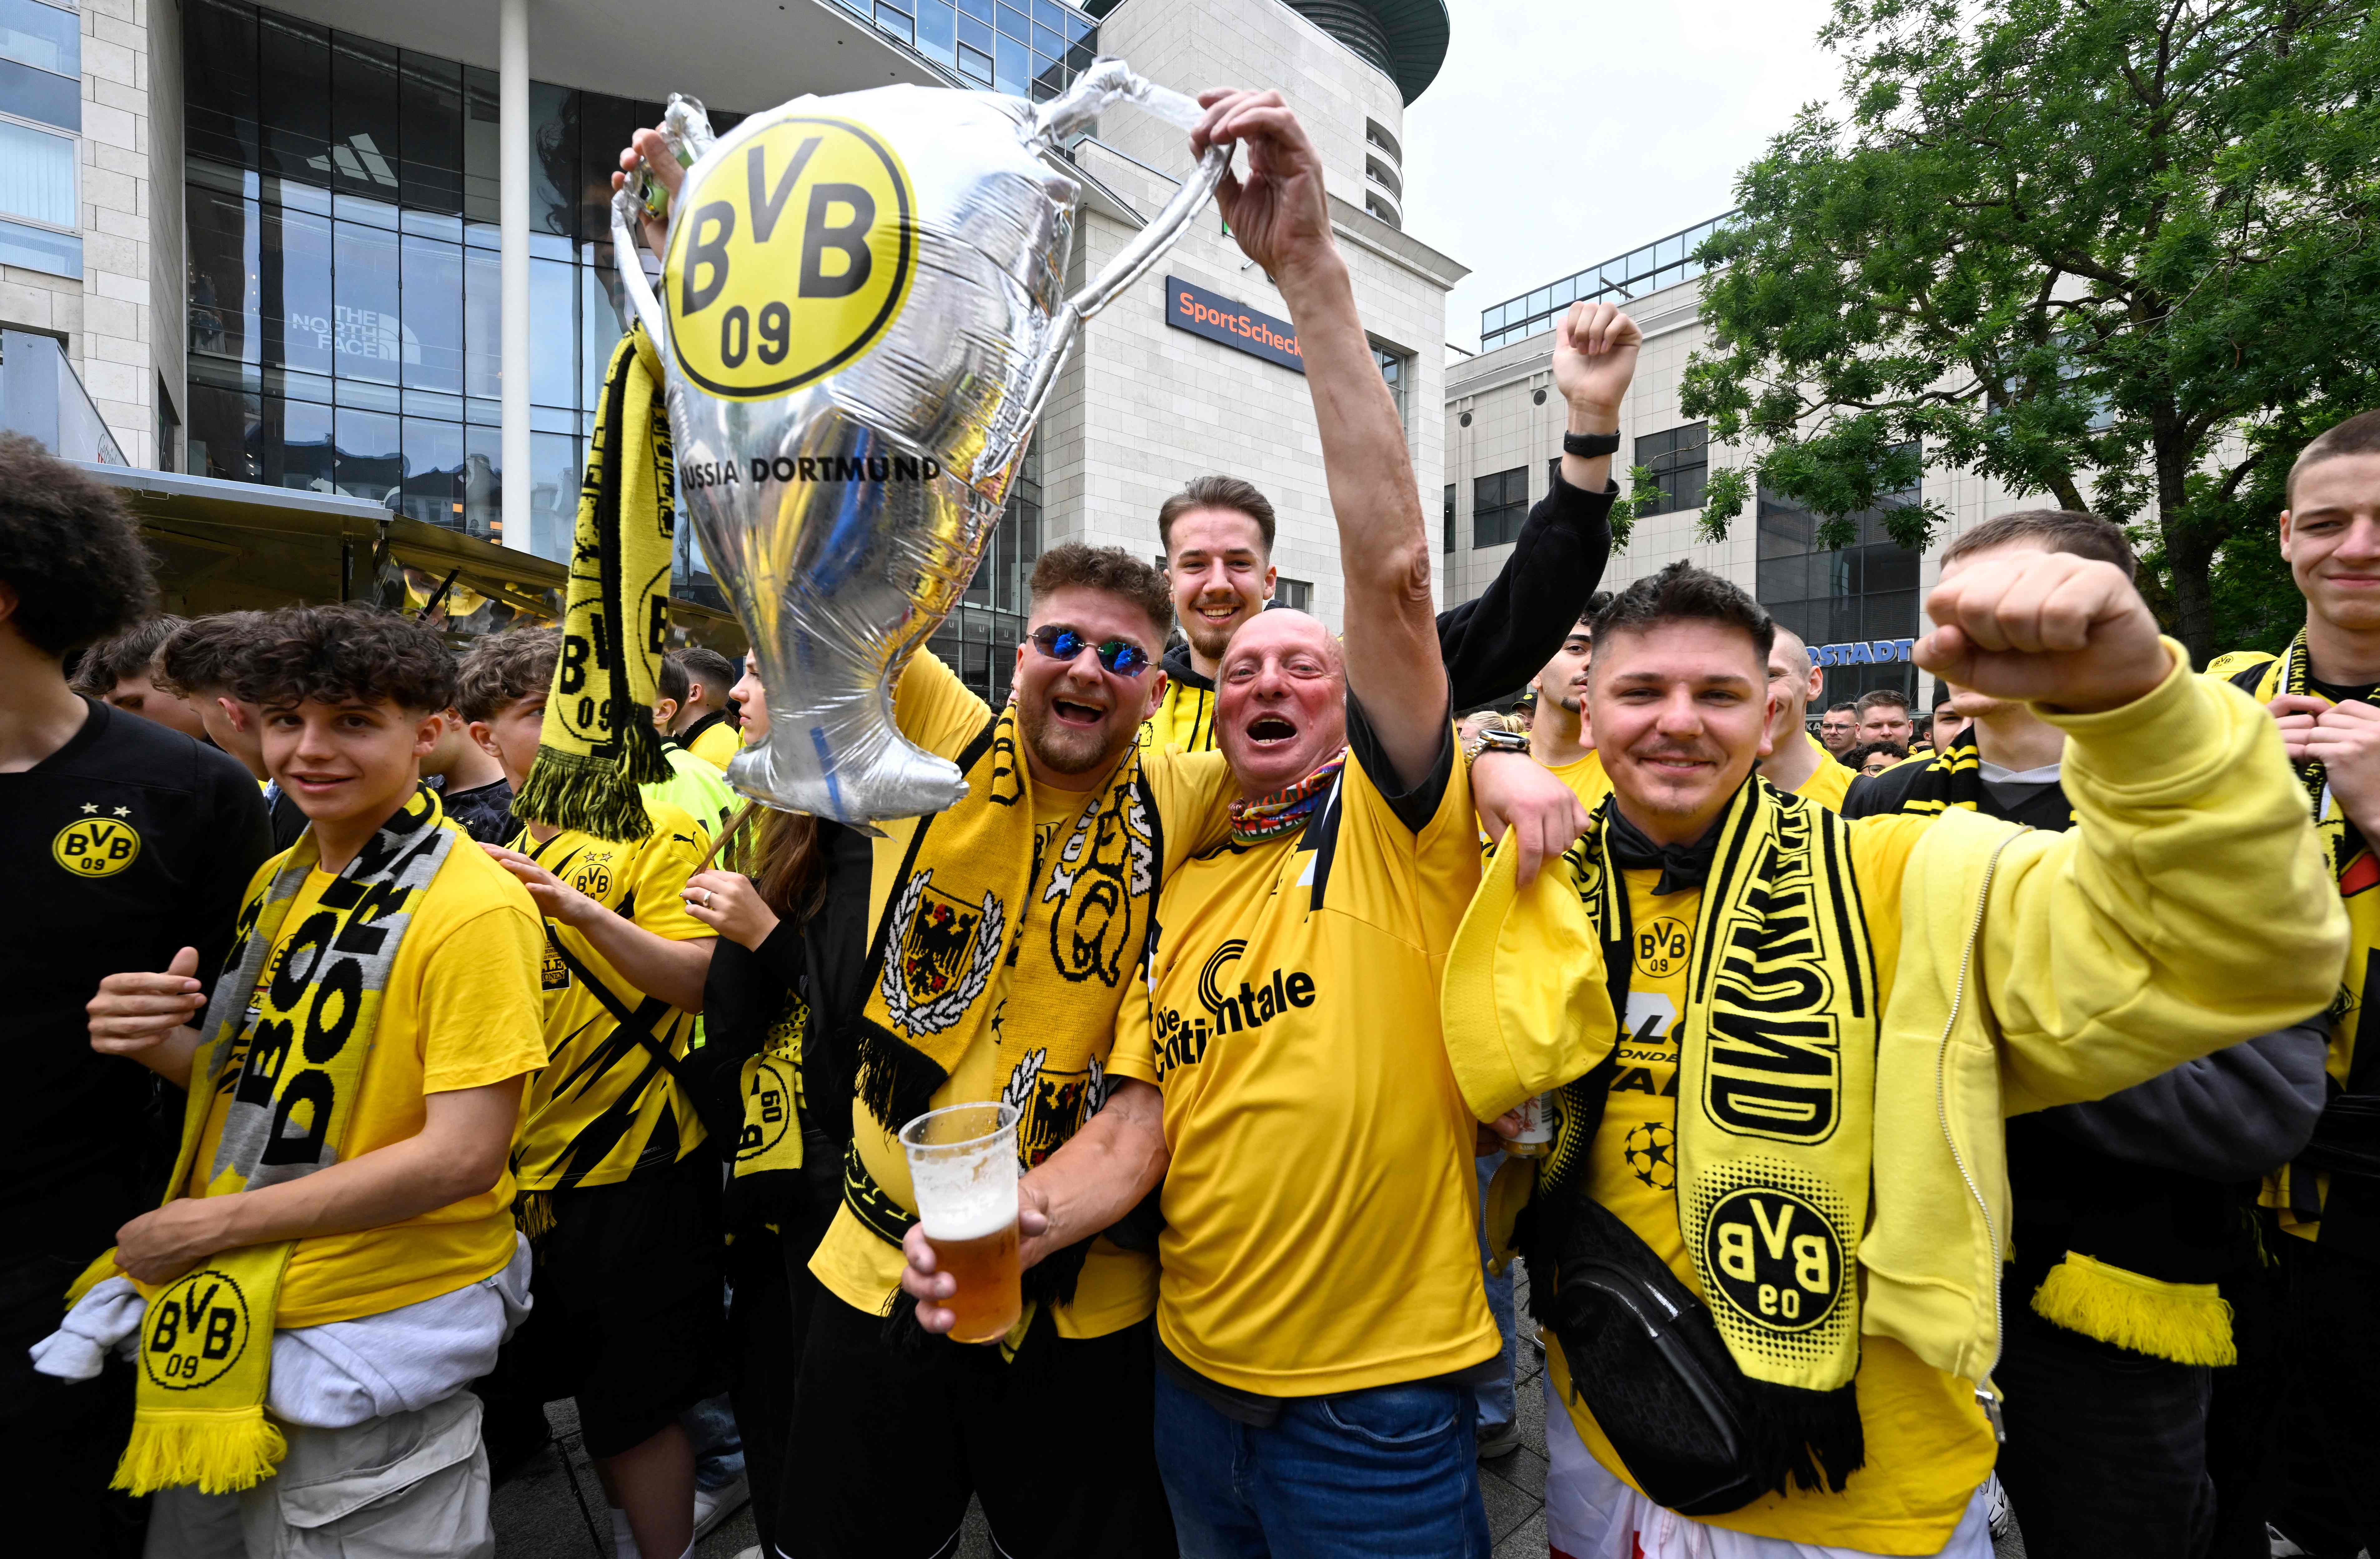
(862, 313)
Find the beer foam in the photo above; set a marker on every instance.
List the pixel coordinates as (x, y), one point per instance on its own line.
(966, 1211)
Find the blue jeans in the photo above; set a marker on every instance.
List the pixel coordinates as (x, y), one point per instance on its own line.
(1496, 1406)
(1364, 1475)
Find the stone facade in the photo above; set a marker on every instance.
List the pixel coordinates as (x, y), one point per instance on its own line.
(108, 319)
(1142, 407)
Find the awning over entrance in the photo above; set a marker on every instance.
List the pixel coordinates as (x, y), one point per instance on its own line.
(225, 546)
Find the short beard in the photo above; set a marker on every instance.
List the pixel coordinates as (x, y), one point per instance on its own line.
(1572, 705)
(1208, 639)
(1062, 750)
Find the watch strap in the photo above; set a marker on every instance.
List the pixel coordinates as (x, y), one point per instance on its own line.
(1586, 446)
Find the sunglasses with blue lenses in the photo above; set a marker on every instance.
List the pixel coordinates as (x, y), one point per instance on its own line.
(1118, 655)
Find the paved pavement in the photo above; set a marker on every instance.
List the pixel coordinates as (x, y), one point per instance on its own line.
(538, 1518)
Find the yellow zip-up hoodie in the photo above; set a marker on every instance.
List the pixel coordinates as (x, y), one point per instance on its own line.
(1184, 720)
(2188, 908)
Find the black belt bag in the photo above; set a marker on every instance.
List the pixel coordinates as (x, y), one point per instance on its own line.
(1646, 1359)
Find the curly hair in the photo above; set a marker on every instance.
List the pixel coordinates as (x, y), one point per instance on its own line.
(1858, 756)
(1111, 570)
(133, 653)
(69, 553)
(506, 666)
(335, 653)
(204, 656)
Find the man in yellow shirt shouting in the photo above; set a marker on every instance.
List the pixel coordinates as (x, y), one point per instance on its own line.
(1320, 1309)
(1768, 1233)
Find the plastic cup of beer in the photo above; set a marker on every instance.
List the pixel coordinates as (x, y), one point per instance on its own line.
(962, 1169)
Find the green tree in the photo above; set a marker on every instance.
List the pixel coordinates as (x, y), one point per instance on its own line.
(2124, 254)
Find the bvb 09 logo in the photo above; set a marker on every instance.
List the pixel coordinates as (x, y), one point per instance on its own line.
(792, 255)
(95, 846)
(1776, 1260)
(195, 1331)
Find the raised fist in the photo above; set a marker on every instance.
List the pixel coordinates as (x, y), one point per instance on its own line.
(2044, 628)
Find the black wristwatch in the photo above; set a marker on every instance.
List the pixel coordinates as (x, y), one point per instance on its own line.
(1586, 446)
(1495, 740)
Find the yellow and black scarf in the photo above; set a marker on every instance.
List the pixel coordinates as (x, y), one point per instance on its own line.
(290, 1045)
(1954, 778)
(972, 879)
(1776, 1083)
(2301, 1188)
(598, 744)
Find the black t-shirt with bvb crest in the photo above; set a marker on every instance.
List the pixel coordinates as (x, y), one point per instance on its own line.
(126, 844)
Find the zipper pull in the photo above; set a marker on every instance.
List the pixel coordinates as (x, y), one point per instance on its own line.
(1991, 1406)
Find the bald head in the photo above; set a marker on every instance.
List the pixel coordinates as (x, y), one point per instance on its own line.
(1280, 700)
(1794, 681)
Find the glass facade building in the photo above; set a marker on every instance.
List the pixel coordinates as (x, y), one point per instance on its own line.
(345, 326)
(1663, 262)
(1864, 590)
(1031, 49)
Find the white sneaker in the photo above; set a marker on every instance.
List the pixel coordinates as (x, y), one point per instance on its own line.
(713, 1505)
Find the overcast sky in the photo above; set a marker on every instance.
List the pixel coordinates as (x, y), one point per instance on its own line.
(1560, 134)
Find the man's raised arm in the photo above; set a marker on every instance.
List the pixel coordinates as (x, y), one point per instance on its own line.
(1282, 220)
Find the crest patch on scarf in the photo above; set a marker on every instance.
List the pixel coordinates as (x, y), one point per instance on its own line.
(944, 951)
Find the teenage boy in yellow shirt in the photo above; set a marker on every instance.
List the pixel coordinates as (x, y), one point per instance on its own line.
(621, 1203)
(352, 1100)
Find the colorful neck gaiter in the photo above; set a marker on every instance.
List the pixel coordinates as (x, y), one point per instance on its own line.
(1253, 822)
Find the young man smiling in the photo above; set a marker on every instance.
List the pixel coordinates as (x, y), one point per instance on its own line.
(2324, 690)
(1218, 535)
(352, 1092)
(1782, 1045)
(621, 1201)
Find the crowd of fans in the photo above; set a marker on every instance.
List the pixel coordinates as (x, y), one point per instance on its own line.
(1903, 1119)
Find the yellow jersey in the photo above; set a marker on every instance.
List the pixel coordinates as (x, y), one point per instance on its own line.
(1928, 1444)
(1586, 777)
(1184, 720)
(1321, 1202)
(459, 1011)
(716, 743)
(1117, 1287)
(1829, 781)
(605, 1108)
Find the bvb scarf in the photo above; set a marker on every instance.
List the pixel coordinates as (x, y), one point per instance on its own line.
(2357, 870)
(972, 879)
(292, 1063)
(1955, 778)
(1776, 1081)
(599, 744)
(771, 1140)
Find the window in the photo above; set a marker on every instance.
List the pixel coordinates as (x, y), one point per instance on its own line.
(40, 85)
(1499, 504)
(1680, 460)
(1382, 210)
(1297, 595)
(1863, 592)
(1393, 368)
(1450, 517)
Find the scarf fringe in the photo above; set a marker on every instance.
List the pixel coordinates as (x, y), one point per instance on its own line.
(579, 790)
(2186, 1322)
(222, 1452)
(1815, 1437)
(896, 1083)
